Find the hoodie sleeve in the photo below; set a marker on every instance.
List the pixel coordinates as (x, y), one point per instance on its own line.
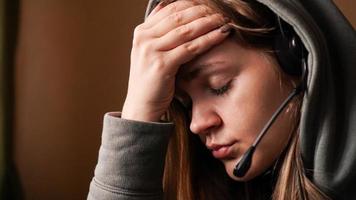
(131, 159)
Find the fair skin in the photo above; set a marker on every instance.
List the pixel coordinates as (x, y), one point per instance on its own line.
(229, 119)
(178, 38)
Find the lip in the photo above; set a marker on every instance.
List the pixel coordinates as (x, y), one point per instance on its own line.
(221, 151)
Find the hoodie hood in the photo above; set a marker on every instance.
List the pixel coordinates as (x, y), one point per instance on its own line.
(328, 116)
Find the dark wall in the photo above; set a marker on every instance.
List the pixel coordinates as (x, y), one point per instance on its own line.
(72, 67)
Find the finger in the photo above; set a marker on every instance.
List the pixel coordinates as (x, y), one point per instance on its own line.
(181, 18)
(166, 11)
(190, 31)
(187, 51)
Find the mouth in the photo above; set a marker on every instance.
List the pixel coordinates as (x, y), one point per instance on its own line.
(221, 151)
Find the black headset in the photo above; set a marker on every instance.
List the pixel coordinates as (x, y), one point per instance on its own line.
(291, 55)
(289, 50)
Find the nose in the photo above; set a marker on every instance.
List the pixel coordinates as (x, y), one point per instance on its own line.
(203, 118)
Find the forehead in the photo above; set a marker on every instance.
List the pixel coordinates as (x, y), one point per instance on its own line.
(210, 61)
(210, 67)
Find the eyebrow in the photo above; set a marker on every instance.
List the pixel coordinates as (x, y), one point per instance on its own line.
(199, 69)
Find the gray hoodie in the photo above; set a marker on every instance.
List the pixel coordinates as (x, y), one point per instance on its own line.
(131, 156)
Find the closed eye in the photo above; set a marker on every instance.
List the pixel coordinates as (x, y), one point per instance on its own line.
(222, 90)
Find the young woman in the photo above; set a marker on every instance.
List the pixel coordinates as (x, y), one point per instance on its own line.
(234, 99)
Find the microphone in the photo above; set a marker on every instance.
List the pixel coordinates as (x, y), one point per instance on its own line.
(244, 164)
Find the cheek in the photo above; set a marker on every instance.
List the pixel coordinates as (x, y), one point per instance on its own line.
(249, 106)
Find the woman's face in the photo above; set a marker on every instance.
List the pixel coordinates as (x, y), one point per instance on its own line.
(233, 92)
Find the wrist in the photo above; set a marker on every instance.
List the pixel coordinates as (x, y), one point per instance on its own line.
(139, 115)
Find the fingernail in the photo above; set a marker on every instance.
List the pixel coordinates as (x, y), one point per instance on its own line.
(226, 19)
(225, 29)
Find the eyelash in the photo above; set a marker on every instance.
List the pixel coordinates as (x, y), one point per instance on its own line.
(222, 90)
(217, 92)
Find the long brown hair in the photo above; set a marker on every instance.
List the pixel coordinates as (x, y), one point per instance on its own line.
(191, 173)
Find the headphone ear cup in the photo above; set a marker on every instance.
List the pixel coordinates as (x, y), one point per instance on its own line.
(289, 51)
